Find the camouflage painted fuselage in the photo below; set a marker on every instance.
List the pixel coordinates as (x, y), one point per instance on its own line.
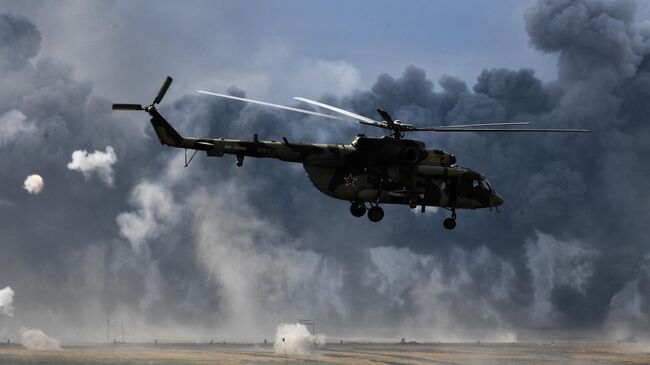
(376, 170)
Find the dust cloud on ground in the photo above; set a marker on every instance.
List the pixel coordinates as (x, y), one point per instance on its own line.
(346, 353)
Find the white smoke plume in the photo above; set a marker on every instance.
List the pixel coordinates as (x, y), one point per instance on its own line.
(295, 339)
(6, 300)
(35, 339)
(270, 287)
(155, 211)
(98, 162)
(12, 124)
(553, 263)
(34, 184)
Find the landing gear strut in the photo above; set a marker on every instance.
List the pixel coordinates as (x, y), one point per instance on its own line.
(450, 223)
(358, 209)
(375, 213)
(240, 161)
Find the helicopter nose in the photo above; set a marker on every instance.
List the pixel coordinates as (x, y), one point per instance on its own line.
(496, 200)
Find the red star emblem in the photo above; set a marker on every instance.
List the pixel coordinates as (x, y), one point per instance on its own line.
(350, 180)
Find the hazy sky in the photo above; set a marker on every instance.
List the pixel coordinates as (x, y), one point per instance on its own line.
(116, 228)
(273, 49)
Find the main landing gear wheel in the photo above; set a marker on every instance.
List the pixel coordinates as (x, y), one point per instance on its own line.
(375, 214)
(450, 223)
(358, 209)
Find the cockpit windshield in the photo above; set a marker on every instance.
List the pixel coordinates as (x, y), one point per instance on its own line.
(481, 185)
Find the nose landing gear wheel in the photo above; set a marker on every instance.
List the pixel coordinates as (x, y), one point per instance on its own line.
(449, 223)
(358, 209)
(375, 214)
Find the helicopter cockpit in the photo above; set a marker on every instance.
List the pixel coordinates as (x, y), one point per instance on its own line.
(479, 189)
(481, 185)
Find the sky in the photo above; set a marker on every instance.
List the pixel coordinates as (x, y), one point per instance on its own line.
(100, 222)
(217, 44)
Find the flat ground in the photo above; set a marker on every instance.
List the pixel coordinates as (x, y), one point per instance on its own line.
(353, 353)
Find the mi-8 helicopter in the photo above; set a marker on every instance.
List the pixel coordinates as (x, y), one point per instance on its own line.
(368, 172)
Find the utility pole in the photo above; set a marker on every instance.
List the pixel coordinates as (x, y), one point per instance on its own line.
(286, 360)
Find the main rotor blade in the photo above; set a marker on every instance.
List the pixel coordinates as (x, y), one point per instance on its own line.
(127, 107)
(387, 118)
(271, 105)
(163, 90)
(502, 130)
(341, 111)
(477, 125)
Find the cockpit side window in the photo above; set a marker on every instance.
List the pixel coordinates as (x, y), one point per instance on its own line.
(487, 185)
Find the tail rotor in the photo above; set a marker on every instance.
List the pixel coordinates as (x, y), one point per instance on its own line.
(163, 90)
(149, 108)
(127, 107)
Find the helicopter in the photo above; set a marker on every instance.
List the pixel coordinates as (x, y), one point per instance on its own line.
(368, 172)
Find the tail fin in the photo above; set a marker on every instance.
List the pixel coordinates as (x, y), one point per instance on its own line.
(166, 133)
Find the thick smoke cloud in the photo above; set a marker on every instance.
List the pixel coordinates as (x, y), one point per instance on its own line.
(20, 40)
(588, 36)
(13, 124)
(216, 249)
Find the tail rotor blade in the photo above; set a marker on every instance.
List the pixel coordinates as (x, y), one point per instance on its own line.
(127, 107)
(163, 90)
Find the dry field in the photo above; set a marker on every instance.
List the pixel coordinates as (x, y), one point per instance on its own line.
(483, 354)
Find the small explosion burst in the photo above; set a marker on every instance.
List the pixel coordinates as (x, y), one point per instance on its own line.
(6, 300)
(98, 162)
(34, 184)
(294, 339)
(35, 339)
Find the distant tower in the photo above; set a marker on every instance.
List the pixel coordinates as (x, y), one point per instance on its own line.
(110, 325)
(312, 323)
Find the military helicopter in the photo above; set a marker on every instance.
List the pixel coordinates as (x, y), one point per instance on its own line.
(368, 172)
